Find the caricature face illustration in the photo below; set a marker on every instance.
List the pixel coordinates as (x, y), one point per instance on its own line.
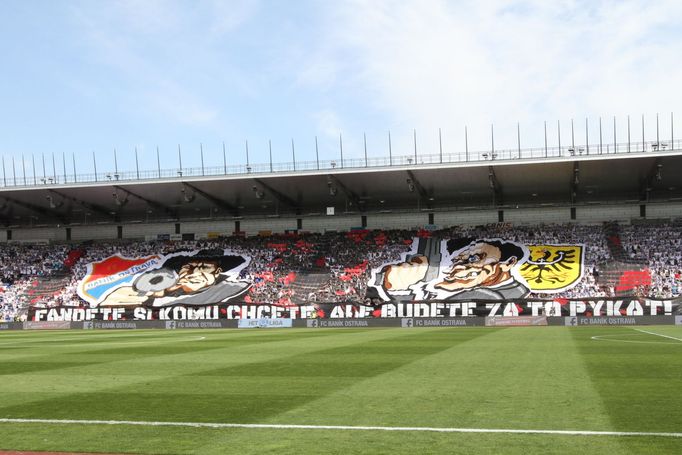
(196, 275)
(479, 264)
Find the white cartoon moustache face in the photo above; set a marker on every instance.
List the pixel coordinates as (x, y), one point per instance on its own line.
(477, 265)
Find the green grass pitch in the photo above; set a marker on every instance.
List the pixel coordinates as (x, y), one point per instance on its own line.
(533, 378)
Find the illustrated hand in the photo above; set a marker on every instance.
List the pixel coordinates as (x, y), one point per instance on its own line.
(400, 277)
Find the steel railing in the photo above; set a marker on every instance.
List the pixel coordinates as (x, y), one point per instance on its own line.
(10, 180)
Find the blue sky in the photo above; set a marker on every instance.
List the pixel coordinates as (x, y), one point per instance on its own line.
(84, 76)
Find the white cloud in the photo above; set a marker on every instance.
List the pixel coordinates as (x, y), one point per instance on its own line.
(378, 65)
(328, 123)
(320, 72)
(227, 16)
(431, 64)
(180, 105)
(146, 17)
(142, 42)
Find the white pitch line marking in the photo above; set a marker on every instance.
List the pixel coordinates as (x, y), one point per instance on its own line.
(616, 340)
(341, 427)
(659, 334)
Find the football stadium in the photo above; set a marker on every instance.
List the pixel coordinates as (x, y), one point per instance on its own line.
(351, 277)
(411, 303)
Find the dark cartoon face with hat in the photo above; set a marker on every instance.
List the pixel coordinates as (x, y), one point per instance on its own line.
(196, 275)
(204, 269)
(183, 275)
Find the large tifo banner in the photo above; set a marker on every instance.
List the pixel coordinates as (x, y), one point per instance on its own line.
(477, 269)
(436, 278)
(188, 278)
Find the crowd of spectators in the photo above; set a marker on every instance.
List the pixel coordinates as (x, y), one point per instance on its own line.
(20, 267)
(659, 248)
(330, 267)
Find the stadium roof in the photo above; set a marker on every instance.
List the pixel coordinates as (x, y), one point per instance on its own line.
(484, 181)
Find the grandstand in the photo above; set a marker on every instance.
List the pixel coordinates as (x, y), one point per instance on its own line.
(319, 232)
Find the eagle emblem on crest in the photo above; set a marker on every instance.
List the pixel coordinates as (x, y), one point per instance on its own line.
(553, 268)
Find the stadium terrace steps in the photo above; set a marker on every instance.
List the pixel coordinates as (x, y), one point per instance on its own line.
(613, 241)
(47, 286)
(624, 278)
(307, 282)
(623, 274)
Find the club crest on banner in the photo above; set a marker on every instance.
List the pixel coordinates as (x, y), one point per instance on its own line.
(105, 276)
(553, 268)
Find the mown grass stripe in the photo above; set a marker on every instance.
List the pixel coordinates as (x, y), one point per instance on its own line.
(341, 427)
